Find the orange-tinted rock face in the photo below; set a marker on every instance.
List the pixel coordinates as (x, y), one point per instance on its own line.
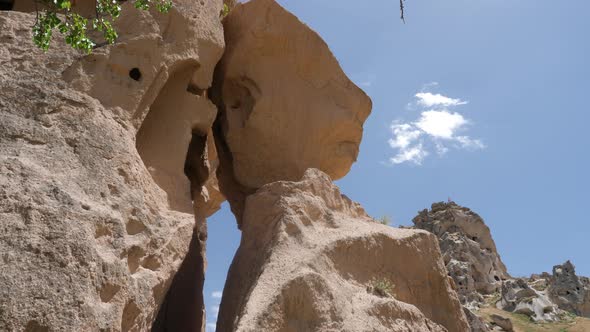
(312, 260)
(107, 173)
(287, 104)
(96, 219)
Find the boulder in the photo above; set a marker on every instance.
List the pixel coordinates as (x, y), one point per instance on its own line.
(95, 207)
(476, 323)
(285, 103)
(503, 322)
(312, 260)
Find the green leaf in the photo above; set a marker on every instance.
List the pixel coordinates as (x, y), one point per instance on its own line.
(164, 6)
(75, 27)
(142, 4)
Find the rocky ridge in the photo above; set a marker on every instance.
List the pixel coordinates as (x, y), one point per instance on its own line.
(481, 279)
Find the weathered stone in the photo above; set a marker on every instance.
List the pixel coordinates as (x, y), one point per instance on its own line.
(503, 322)
(286, 104)
(476, 324)
(308, 255)
(93, 195)
(468, 249)
(568, 291)
(519, 297)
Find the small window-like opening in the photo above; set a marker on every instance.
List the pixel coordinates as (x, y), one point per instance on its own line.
(474, 238)
(135, 74)
(496, 278)
(6, 4)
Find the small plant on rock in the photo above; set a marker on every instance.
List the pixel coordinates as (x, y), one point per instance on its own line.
(384, 220)
(382, 287)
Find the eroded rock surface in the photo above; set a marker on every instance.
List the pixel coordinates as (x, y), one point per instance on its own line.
(569, 291)
(286, 104)
(310, 260)
(468, 249)
(93, 195)
(480, 276)
(522, 297)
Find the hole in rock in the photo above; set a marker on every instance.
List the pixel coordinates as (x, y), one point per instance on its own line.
(164, 137)
(222, 242)
(496, 278)
(6, 4)
(135, 74)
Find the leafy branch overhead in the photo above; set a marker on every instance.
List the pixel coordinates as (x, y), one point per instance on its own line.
(58, 15)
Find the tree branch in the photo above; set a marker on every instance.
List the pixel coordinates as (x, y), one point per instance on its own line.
(401, 9)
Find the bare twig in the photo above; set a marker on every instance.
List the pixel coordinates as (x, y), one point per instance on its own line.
(401, 9)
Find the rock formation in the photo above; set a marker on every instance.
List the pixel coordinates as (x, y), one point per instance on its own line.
(468, 249)
(520, 297)
(110, 163)
(568, 291)
(286, 104)
(312, 260)
(95, 209)
(474, 264)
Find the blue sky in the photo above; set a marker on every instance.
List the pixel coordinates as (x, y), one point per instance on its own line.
(483, 101)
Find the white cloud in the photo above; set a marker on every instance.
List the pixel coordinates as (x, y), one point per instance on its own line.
(435, 129)
(413, 154)
(440, 124)
(469, 143)
(428, 99)
(441, 149)
(404, 135)
(213, 311)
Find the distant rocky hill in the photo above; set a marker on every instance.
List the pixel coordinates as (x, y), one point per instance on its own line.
(481, 279)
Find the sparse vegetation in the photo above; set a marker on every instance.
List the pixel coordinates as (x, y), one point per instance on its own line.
(382, 287)
(58, 15)
(224, 11)
(384, 220)
(522, 323)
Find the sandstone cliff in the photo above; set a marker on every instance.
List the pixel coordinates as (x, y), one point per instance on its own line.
(95, 209)
(110, 163)
(312, 260)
